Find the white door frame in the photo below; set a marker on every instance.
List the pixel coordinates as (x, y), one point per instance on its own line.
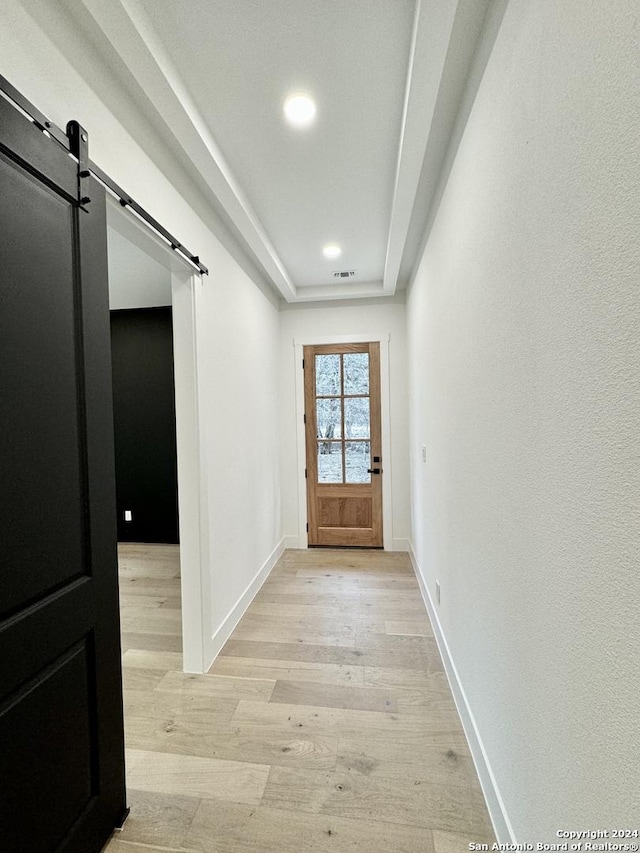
(385, 397)
(186, 289)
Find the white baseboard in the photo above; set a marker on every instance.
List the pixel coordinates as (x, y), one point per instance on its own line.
(291, 541)
(217, 641)
(495, 804)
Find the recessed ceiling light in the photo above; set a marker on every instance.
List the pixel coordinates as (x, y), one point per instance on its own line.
(299, 109)
(332, 251)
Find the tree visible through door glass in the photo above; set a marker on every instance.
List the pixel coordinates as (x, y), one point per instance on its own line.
(328, 376)
(356, 417)
(330, 462)
(356, 373)
(329, 418)
(357, 457)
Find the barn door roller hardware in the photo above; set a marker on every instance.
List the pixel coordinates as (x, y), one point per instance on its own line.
(75, 141)
(126, 201)
(79, 147)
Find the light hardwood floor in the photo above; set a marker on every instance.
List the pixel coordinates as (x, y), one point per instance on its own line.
(326, 724)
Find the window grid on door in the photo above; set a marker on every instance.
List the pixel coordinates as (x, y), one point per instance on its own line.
(343, 417)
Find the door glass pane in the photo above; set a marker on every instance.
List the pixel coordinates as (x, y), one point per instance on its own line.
(356, 417)
(329, 418)
(356, 373)
(327, 375)
(357, 456)
(329, 461)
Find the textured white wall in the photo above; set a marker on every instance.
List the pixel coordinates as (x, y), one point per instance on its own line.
(523, 326)
(238, 342)
(312, 322)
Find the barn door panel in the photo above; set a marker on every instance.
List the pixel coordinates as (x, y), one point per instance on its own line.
(61, 728)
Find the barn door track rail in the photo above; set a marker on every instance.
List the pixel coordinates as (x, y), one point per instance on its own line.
(75, 140)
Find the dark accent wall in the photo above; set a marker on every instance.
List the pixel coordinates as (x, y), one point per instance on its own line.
(145, 424)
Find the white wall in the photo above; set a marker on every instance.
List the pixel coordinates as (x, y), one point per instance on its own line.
(136, 280)
(523, 325)
(237, 325)
(317, 322)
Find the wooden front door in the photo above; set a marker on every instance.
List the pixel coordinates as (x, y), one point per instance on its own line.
(62, 786)
(343, 441)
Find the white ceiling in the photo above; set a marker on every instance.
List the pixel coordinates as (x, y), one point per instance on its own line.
(332, 182)
(387, 77)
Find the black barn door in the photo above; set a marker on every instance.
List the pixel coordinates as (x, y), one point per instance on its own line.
(61, 731)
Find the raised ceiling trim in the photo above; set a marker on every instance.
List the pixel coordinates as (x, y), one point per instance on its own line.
(433, 25)
(126, 26)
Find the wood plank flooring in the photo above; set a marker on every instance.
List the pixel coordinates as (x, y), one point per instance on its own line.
(326, 724)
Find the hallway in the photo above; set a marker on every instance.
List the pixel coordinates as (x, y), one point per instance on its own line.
(464, 193)
(326, 723)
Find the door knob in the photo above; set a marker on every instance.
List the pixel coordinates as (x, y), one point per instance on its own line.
(373, 471)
